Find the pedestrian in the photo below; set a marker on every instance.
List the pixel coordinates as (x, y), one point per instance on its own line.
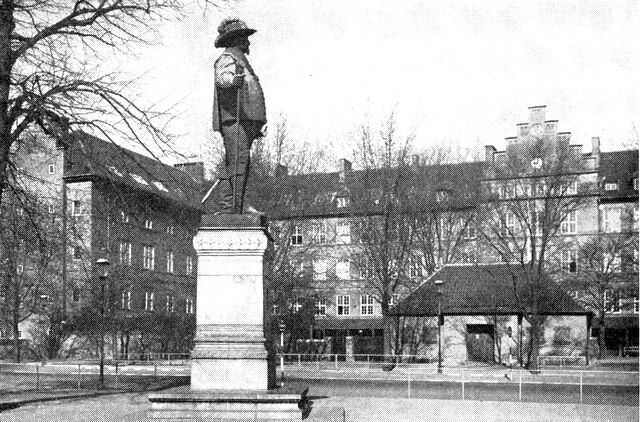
(238, 110)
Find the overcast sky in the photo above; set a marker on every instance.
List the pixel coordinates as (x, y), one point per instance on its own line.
(455, 71)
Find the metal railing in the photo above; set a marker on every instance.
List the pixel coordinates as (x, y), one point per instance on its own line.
(561, 360)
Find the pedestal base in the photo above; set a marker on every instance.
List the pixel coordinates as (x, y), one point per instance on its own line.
(229, 374)
(227, 406)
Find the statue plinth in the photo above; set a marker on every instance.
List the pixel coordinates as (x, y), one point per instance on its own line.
(231, 372)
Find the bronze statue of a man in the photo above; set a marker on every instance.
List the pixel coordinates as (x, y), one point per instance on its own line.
(238, 110)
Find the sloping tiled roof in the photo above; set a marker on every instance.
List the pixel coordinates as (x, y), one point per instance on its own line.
(484, 290)
(92, 158)
(620, 167)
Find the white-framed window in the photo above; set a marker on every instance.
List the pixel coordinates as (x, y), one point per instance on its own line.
(76, 207)
(321, 307)
(148, 224)
(415, 266)
(188, 306)
(394, 299)
(342, 201)
(296, 236)
(635, 183)
(636, 302)
(343, 232)
(124, 217)
(540, 188)
(169, 262)
(124, 253)
(297, 305)
(366, 304)
(19, 268)
(610, 186)
(188, 265)
(574, 294)
(321, 233)
(343, 305)
(52, 169)
(149, 257)
(612, 263)
(470, 231)
(169, 303)
(611, 220)
(569, 261)
(572, 188)
(612, 302)
(275, 309)
(442, 195)
(635, 219)
(343, 269)
(536, 223)
(125, 302)
(170, 229)
(570, 223)
(319, 269)
(148, 301)
(50, 208)
(508, 222)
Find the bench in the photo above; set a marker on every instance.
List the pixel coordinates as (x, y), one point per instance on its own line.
(630, 350)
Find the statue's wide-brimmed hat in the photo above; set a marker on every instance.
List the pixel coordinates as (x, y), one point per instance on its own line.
(231, 29)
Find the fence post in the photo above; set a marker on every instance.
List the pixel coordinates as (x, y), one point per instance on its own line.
(37, 377)
(79, 376)
(155, 372)
(335, 358)
(409, 383)
(462, 383)
(520, 385)
(580, 387)
(116, 374)
(299, 360)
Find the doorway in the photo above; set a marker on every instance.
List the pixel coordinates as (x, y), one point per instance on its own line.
(480, 343)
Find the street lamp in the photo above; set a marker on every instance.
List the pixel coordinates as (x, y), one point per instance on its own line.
(282, 327)
(438, 284)
(103, 267)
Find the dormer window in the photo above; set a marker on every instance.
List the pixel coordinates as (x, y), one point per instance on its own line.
(610, 186)
(342, 201)
(442, 195)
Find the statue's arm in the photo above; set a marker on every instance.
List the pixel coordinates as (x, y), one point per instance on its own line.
(228, 73)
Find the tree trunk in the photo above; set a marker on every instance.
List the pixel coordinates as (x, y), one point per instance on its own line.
(534, 343)
(601, 337)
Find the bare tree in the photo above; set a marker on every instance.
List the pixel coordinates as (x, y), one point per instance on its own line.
(532, 197)
(52, 66)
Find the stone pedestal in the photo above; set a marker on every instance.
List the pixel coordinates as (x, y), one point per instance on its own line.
(230, 367)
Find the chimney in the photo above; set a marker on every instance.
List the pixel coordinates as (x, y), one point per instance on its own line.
(489, 151)
(195, 170)
(344, 167)
(595, 150)
(536, 114)
(415, 160)
(282, 170)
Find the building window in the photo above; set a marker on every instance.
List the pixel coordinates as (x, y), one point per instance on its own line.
(536, 223)
(19, 269)
(124, 252)
(148, 224)
(635, 219)
(572, 188)
(393, 300)
(169, 229)
(188, 306)
(169, 303)
(366, 305)
(636, 302)
(149, 255)
(76, 207)
(343, 302)
(170, 261)
(275, 309)
(50, 208)
(75, 294)
(569, 225)
(611, 217)
(124, 217)
(297, 305)
(189, 265)
(126, 300)
(612, 302)
(540, 188)
(343, 230)
(321, 307)
(415, 267)
(470, 231)
(442, 195)
(52, 169)
(296, 236)
(342, 201)
(635, 183)
(569, 261)
(320, 269)
(343, 270)
(148, 301)
(612, 263)
(321, 233)
(610, 186)
(508, 222)
(77, 252)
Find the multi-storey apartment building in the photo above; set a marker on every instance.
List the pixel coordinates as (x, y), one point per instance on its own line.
(138, 213)
(542, 182)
